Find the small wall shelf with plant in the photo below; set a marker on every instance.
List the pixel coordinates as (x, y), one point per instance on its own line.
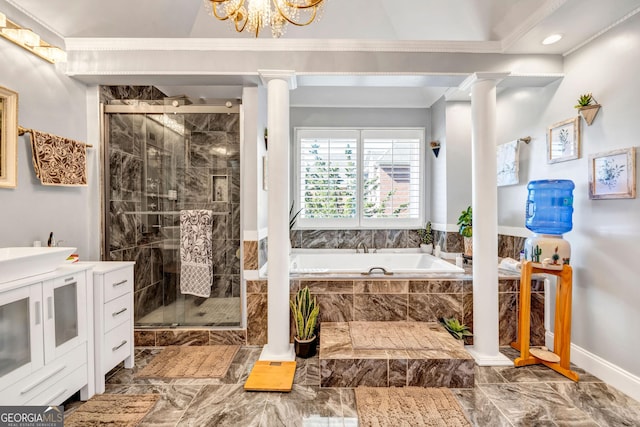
(435, 146)
(588, 107)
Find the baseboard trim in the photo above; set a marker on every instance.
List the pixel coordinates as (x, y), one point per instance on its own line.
(611, 374)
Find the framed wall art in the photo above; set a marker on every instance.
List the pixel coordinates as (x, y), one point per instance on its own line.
(507, 160)
(563, 141)
(612, 174)
(8, 138)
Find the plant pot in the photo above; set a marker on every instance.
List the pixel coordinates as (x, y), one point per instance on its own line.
(426, 248)
(589, 113)
(468, 246)
(305, 348)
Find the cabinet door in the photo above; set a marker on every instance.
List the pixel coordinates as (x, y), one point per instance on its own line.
(21, 333)
(65, 312)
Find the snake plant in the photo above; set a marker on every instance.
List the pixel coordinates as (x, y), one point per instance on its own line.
(305, 312)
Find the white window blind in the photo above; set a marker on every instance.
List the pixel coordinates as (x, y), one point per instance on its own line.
(391, 174)
(359, 178)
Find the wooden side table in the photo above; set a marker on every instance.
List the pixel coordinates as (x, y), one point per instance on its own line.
(562, 328)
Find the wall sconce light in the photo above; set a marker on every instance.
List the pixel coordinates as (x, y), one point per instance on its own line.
(435, 146)
(22, 35)
(28, 40)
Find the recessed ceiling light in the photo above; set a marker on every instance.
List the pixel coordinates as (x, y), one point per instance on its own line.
(553, 38)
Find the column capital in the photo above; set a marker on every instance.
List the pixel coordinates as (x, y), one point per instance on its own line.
(476, 77)
(287, 75)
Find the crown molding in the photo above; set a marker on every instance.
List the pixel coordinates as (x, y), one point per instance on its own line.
(283, 45)
(601, 32)
(35, 19)
(530, 22)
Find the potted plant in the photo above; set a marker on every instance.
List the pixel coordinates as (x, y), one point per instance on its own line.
(588, 107)
(465, 222)
(293, 217)
(304, 310)
(426, 238)
(457, 330)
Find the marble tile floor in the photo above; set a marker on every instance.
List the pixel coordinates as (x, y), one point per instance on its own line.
(196, 312)
(502, 396)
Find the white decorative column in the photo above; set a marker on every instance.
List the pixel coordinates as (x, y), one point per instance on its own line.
(278, 83)
(486, 344)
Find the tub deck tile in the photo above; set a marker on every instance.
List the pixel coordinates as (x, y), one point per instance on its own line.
(343, 366)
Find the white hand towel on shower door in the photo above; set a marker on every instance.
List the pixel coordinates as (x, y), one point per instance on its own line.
(196, 267)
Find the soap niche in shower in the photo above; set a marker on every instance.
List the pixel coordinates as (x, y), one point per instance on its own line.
(219, 188)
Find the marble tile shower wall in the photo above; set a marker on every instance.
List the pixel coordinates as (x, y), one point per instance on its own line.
(147, 160)
(116, 94)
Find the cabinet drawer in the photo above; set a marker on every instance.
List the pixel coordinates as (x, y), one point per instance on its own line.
(50, 380)
(73, 381)
(117, 346)
(117, 283)
(117, 311)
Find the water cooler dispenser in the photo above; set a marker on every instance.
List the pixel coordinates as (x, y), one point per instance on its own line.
(549, 215)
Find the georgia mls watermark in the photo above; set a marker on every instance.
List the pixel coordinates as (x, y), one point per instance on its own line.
(31, 416)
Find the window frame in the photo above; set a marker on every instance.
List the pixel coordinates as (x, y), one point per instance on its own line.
(360, 222)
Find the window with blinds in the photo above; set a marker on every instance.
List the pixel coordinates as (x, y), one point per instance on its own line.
(359, 178)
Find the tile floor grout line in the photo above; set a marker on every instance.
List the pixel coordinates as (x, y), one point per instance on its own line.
(189, 405)
(496, 406)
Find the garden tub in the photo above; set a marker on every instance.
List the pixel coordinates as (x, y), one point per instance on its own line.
(343, 262)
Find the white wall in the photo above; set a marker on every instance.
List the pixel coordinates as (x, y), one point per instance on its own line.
(263, 196)
(458, 159)
(254, 198)
(451, 172)
(438, 172)
(51, 102)
(360, 117)
(605, 236)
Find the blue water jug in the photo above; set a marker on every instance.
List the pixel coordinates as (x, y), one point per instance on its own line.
(550, 206)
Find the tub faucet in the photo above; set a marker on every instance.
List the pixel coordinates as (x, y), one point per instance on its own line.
(364, 248)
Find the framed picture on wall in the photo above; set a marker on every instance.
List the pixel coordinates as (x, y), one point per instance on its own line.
(507, 161)
(612, 174)
(563, 141)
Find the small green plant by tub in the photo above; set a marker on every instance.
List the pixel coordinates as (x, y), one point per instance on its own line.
(426, 235)
(465, 222)
(457, 330)
(584, 100)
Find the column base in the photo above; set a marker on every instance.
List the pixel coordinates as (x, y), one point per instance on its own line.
(484, 359)
(269, 354)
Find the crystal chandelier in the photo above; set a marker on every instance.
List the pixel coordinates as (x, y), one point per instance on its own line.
(253, 15)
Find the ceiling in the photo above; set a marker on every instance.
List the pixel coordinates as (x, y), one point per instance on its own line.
(498, 26)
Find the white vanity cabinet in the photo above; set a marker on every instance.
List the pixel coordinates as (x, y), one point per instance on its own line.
(113, 317)
(46, 344)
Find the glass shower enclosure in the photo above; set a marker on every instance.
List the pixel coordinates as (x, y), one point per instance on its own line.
(158, 161)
